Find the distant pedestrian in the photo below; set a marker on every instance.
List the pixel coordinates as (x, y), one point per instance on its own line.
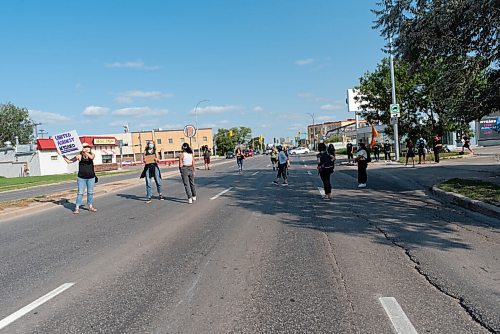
(240, 156)
(274, 158)
(206, 157)
(421, 149)
(187, 168)
(387, 151)
(151, 170)
(350, 152)
(362, 158)
(86, 177)
(437, 146)
(376, 151)
(326, 158)
(282, 167)
(466, 144)
(410, 152)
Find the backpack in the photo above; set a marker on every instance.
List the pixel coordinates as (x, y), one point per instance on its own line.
(421, 144)
(325, 160)
(368, 157)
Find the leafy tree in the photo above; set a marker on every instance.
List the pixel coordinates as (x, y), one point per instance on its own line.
(461, 37)
(15, 121)
(227, 139)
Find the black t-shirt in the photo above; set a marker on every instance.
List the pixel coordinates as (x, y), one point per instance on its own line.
(387, 147)
(349, 148)
(86, 169)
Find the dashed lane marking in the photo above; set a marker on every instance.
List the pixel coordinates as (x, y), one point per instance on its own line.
(30, 307)
(221, 193)
(400, 322)
(309, 172)
(321, 191)
(255, 173)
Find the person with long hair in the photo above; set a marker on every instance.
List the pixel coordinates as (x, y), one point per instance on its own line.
(151, 170)
(410, 152)
(240, 156)
(362, 159)
(86, 177)
(187, 167)
(326, 158)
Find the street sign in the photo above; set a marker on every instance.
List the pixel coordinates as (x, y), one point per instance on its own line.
(394, 120)
(189, 131)
(395, 110)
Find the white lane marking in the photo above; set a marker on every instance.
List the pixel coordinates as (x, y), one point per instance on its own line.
(30, 307)
(268, 166)
(321, 191)
(221, 193)
(399, 320)
(309, 172)
(255, 173)
(305, 166)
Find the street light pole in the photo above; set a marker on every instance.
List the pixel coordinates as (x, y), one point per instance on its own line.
(314, 131)
(196, 124)
(393, 90)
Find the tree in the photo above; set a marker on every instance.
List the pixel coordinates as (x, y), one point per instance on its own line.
(227, 139)
(15, 121)
(460, 36)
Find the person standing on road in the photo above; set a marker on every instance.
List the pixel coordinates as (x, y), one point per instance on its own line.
(274, 158)
(410, 153)
(86, 177)
(362, 158)
(466, 144)
(282, 167)
(151, 170)
(206, 157)
(421, 143)
(376, 151)
(437, 145)
(187, 167)
(387, 151)
(240, 156)
(350, 152)
(325, 167)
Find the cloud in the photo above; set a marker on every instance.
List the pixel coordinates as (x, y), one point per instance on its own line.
(95, 111)
(331, 107)
(119, 123)
(48, 117)
(139, 112)
(302, 62)
(134, 64)
(128, 97)
(258, 109)
(173, 126)
(312, 96)
(323, 118)
(214, 109)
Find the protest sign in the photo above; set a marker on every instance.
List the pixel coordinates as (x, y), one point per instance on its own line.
(68, 143)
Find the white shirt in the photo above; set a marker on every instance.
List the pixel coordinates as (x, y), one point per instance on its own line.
(187, 159)
(362, 155)
(282, 158)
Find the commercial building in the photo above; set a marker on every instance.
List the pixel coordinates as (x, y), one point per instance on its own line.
(344, 129)
(169, 142)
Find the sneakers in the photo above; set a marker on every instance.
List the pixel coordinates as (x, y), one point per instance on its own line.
(149, 200)
(362, 185)
(285, 183)
(275, 182)
(162, 198)
(194, 198)
(190, 200)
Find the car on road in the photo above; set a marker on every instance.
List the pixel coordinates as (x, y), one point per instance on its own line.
(128, 163)
(268, 151)
(299, 150)
(248, 153)
(229, 155)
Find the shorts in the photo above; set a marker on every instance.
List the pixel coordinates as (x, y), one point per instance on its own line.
(207, 160)
(411, 154)
(421, 152)
(274, 160)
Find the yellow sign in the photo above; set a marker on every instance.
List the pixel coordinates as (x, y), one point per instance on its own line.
(104, 141)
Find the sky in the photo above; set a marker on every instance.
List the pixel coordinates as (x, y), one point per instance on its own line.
(96, 65)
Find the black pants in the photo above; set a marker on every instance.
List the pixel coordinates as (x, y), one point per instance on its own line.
(376, 155)
(437, 150)
(362, 176)
(282, 171)
(325, 174)
(387, 155)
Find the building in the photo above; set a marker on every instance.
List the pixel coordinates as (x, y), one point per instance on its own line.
(488, 130)
(169, 142)
(125, 148)
(345, 129)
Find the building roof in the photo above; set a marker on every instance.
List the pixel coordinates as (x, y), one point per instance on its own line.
(47, 144)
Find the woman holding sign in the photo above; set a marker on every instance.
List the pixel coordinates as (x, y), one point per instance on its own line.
(151, 170)
(86, 177)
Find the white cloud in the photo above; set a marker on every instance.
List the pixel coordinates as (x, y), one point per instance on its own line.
(128, 97)
(48, 117)
(133, 64)
(264, 126)
(215, 109)
(323, 118)
(95, 111)
(258, 109)
(330, 107)
(139, 112)
(302, 62)
(173, 126)
(119, 123)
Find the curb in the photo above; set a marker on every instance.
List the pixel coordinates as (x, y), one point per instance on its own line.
(465, 202)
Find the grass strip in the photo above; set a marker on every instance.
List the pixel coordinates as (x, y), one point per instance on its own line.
(430, 156)
(475, 189)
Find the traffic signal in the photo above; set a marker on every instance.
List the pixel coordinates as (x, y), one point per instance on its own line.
(230, 133)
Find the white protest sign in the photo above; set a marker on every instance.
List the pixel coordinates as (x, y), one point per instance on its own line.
(68, 143)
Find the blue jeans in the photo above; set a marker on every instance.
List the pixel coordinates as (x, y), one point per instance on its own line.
(157, 181)
(82, 183)
(240, 163)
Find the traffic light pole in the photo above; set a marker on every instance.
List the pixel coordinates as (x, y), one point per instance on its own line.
(393, 83)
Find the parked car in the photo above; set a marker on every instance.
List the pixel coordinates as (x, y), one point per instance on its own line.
(268, 151)
(300, 150)
(230, 155)
(248, 153)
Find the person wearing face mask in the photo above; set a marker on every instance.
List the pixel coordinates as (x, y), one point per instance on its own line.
(86, 177)
(151, 170)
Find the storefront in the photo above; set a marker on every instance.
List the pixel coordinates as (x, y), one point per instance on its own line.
(488, 130)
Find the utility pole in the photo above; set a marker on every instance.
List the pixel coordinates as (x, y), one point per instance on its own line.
(314, 131)
(196, 124)
(36, 129)
(393, 89)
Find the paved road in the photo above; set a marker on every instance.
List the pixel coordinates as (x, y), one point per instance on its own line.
(258, 258)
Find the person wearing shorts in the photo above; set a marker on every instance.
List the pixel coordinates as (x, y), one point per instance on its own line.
(206, 157)
(350, 152)
(274, 158)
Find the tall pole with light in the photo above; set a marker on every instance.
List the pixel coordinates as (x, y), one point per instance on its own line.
(314, 131)
(196, 124)
(393, 90)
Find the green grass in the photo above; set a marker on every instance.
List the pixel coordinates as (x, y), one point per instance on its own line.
(341, 151)
(475, 189)
(16, 183)
(430, 156)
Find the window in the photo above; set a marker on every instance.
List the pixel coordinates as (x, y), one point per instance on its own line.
(205, 139)
(170, 141)
(158, 141)
(107, 159)
(54, 157)
(182, 140)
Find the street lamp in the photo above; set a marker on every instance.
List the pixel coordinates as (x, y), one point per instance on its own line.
(196, 124)
(314, 131)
